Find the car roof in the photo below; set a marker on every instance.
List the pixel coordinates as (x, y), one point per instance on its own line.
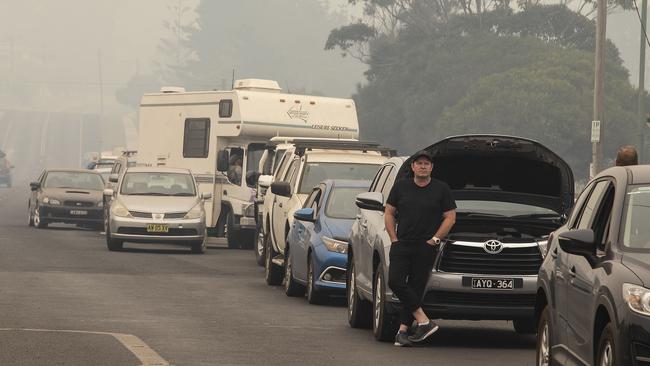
(157, 169)
(68, 170)
(640, 174)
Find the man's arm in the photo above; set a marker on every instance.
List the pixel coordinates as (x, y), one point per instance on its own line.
(389, 221)
(449, 219)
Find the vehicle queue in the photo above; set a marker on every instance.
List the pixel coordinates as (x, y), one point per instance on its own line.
(316, 202)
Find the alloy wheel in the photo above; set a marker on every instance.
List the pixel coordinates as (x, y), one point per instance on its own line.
(544, 347)
(37, 217)
(606, 358)
(310, 277)
(351, 295)
(378, 303)
(287, 272)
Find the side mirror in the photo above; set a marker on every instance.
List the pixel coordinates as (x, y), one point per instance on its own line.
(35, 185)
(281, 189)
(206, 196)
(108, 192)
(265, 181)
(113, 178)
(373, 201)
(305, 214)
(251, 178)
(223, 161)
(578, 242)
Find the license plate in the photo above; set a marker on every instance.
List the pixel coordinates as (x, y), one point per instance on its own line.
(78, 212)
(157, 228)
(493, 283)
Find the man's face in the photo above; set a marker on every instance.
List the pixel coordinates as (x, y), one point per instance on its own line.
(422, 167)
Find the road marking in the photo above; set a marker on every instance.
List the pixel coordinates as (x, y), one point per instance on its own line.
(140, 350)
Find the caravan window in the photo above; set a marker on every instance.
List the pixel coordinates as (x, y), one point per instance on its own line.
(197, 137)
(225, 108)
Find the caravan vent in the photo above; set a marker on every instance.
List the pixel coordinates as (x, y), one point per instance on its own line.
(258, 85)
(172, 89)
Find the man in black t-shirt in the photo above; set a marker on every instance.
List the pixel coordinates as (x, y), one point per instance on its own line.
(424, 211)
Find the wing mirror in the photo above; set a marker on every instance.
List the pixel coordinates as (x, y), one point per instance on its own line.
(109, 192)
(373, 201)
(265, 181)
(578, 242)
(35, 185)
(113, 178)
(305, 214)
(206, 196)
(281, 189)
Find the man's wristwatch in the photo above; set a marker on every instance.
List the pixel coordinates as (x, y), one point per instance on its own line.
(435, 240)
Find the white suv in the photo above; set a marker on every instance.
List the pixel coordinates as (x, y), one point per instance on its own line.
(305, 164)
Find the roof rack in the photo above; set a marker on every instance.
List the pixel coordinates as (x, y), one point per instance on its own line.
(365, 146)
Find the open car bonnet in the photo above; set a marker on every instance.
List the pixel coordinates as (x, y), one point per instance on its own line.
(501, 168)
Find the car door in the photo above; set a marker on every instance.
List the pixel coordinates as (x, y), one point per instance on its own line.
(582, 290)
(279, 211)
(303, 234)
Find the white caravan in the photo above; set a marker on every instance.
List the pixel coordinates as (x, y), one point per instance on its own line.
(221, 135)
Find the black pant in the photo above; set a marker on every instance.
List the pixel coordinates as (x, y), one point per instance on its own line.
(410, 267)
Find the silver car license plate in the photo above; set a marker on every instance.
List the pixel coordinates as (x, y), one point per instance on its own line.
(78, 212)
(493, 283)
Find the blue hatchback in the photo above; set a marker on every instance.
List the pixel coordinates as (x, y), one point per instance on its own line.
(317, 243)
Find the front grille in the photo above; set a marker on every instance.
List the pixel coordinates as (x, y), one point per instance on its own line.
(79, 203)
(641, 354)
(511, 261)
(175, 215)
(63, 212)
(140, 215)
(487, 299)
(143, 231)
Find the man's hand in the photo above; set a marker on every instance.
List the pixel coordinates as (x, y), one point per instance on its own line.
(433, 241)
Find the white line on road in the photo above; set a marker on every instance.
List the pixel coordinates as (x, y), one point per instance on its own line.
(144, 353)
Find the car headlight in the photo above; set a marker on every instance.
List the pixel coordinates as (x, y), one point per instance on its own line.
(249, 211)
(195, 213)
(543, 247)
(637, 298)
(119, 210)
(51, 201)
(334, 245)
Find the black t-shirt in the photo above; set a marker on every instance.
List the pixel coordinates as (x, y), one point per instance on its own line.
(419, 209)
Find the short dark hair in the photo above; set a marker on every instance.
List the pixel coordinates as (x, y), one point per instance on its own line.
(627, 155)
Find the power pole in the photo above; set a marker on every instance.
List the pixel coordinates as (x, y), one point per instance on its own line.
(598, 124)
(641, 102)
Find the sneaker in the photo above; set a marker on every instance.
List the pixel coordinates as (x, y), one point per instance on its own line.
(423, 332)
(402, 340)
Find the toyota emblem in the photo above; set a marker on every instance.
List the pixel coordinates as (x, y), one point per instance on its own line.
(493, 246)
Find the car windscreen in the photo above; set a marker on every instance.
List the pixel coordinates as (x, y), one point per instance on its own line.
(104, 165)
(74, 180)
(504, 209)
(157, 184)
(314, 173)
(636, 231)
(341, 202)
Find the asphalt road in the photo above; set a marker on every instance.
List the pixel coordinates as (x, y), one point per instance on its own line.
(66, 300)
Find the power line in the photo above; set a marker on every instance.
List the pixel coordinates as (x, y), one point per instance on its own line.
(636, 7)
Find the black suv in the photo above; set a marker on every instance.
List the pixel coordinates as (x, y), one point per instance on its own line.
(593, 298)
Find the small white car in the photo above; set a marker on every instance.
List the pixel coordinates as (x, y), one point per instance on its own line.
(155, 205)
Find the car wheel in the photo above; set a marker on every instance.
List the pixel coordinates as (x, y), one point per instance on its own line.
(314, 296)
(38, 221)
(113, 244)
(272, 272)
(384, 325)
(260, 248)
(30, 216)
(524, 326)
(291, 287)
(607, 347)
(232, 235)
(359, 310)
(544, 338)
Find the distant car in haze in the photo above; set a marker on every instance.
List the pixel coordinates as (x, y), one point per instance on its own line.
(71, 196)
(5, 170)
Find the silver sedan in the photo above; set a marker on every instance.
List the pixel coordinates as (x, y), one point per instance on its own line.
(156, 205)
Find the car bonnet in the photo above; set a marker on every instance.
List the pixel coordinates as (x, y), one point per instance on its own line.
(501, 168)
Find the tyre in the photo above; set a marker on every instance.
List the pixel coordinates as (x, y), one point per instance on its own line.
(272, 272)
(199, 246)
(359, 310)
(232, 235)
(314, 296)
(607, 349)
(384, 325)
(525, 326)
(544, 333)
(113, 244)
(38, 221)
(260, 248)
(30, 221)
(291, 287)
(247, 238)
